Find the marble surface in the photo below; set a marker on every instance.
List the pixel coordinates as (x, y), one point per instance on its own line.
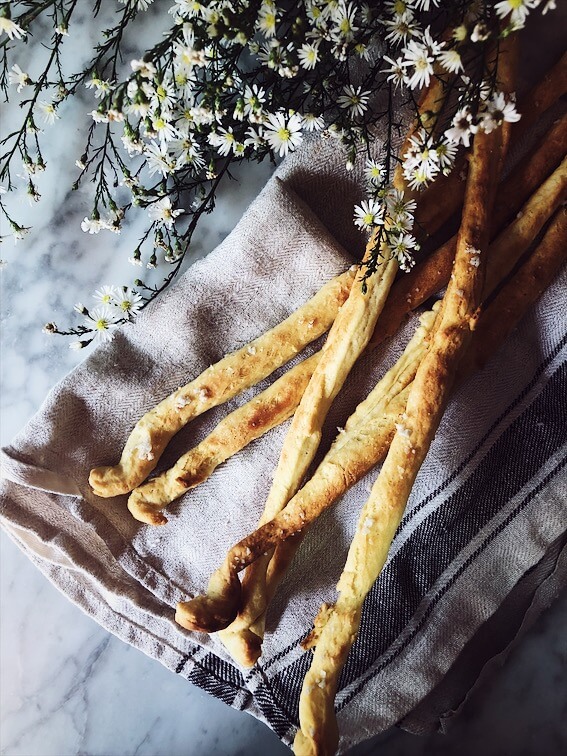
(69, 687)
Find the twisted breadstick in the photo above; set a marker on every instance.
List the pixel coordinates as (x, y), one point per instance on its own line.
(427, 398)
(517, 295)
(219, 383)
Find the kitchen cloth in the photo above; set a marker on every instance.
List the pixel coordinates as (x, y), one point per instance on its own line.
(482, 544)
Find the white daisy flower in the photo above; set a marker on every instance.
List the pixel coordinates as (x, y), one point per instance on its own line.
(106, 294)
(422, 156)
(254, 98)
(98, 117)
(368, 214)
(419, 56)
(11, 28)
(101, 320)
(311, 122)
(400, 211)
(146, 69)
(267, 19)
(462, 127)
(402, 247)
(48, 112)
(397, 71)
(164, 129)
(451, 61)
(255, 138)
(517, 9)
(344, 22)
(224, 140)
(164, 97)
(19, 77)
(498, 111)
(402, 27)
(425, 5)
(158, 159)
(284, 133)
(374, 172)
(308, 56)
(162, 212)
(186, 152)
(446, 152)
(417, 179)
(354, 99)
(91, 225)
(128, 301)
(101, 86)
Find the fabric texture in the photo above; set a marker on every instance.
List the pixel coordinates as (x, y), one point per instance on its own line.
(482, 543)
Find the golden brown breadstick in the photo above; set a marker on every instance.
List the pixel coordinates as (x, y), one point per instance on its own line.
(516, 296)
(219, 383)
(427, 398)
(542, 96)
(266, 410)
(516, 238)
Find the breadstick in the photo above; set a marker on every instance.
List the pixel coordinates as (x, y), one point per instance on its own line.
(365, 437)
(516, 238)
(336, 627)
(542, 96)
(517, 295)
(219, 383)
(268, 409)
(427, 398)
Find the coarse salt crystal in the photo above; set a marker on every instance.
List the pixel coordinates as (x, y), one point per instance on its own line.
(181, 401)
(402, 430)
(251, 350)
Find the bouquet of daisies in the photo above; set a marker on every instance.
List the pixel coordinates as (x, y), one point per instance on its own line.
(235, 80)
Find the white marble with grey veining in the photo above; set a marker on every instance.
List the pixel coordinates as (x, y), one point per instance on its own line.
(67, 686)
